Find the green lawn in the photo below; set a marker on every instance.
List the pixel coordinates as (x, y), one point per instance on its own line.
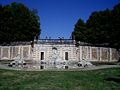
(106, 79)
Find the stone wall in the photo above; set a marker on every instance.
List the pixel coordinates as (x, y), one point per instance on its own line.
(100, 54)
(46, 51)
(11, 52)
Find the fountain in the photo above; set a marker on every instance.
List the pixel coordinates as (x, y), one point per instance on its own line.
(84, 63)
(18, 62)
(56, 62)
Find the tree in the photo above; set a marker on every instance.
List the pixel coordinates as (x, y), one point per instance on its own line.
(100, 25)
(102, 28)
(115, 35)
(79, 31)
(18, 23)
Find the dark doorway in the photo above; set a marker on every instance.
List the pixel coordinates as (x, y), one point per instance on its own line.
(41, 67)
(66, 55)
(66, 67)
(42, 55)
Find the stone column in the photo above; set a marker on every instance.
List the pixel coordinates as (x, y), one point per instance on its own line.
(87, 56)
(90, 54)
(109, 54)
(100, 54)
(11, 50)
(8, 52)
(80, 47)
(21, 51)
(97, 53)
(0, 52)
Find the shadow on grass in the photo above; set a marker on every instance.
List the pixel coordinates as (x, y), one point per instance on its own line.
(115, 79)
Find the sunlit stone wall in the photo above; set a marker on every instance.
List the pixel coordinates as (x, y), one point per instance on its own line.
(94, 54)
(100, 54)
(48, 51)
(104, 54)
(11, 52)
(85, 52)
(14, 52)
(25, 52)
(114, 55)
(5, 53)
(0, 52)
(45, 51)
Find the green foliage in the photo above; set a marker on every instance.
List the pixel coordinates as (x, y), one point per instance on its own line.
(79, 31)
(18, 23)
(100, 24)
(102, 27)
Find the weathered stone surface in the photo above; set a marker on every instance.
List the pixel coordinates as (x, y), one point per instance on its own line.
(104, 54)
(5, 53)
(114, 54)
(84, 52)
(15, 52)
(64, 51)
(94, 54)
(0, 52)
(25, 52)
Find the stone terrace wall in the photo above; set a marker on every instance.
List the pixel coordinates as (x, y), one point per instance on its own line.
(89, 53)
(11, 52)
(100, 54)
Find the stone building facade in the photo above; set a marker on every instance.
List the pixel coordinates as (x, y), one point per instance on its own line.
(65, 50)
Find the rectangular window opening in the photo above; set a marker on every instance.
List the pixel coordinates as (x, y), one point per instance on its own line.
(42, 55)
(41, 67)
(66, 55)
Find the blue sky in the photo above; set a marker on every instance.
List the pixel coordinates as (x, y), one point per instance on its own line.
(58, 17)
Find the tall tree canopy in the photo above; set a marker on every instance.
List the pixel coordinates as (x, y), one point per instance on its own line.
(102, 27)
(79, 31)
(18, 23)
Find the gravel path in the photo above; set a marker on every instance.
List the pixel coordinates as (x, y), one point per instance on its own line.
(75, 69)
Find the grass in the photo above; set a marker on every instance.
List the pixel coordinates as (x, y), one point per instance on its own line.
(106, 79)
